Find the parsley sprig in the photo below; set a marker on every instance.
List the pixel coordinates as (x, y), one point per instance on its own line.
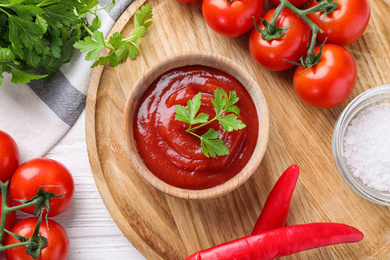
(120, 48)
(225, 112)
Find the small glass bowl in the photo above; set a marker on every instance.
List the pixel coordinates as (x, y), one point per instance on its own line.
(373, 96)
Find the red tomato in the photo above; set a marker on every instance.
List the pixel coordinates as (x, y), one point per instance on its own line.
(11, 218)
(331, 81)
(296, 3)
(232, 18)
(57, 246)
(292, 46)
(9, 156)
(345, 24)
(41, 172)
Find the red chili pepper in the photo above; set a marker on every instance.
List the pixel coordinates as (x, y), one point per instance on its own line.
(277, 205)
(281, 242)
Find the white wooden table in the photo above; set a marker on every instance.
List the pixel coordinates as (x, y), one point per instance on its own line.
(92, 232)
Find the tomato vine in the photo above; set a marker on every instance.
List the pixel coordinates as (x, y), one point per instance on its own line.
(35, 243)
(271, 31)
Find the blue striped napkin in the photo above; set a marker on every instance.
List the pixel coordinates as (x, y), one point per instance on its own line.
(38, 114)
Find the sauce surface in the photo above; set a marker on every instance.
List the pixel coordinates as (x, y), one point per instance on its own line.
(174, 155)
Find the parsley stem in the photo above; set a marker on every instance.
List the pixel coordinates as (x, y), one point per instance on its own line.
(208, 122)
(45, 3)
(202, 125)
(102, 8)
(189, 131)
(87, 29)
(1, 9)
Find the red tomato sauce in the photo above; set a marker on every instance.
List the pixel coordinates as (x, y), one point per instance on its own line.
(174, 155)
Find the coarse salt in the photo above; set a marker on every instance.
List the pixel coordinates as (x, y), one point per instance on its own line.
(367, 146)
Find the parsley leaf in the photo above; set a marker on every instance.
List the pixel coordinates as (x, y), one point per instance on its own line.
(182, 114)
(211, 145)
(20, 76)
(59, 15)
(210, 142)
(92, 45)
(189, 116)
(24, 33)
(230, 122)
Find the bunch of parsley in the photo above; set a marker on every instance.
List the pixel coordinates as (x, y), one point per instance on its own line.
(38, 36)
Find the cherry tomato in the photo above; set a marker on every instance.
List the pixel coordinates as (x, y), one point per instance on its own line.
(345, 24)
(42, 172)
(9, 156)
(11, 217)
(296, 3)
(234, 18)
(331, 81)
(57, 246)
(186, 1)
(292, 46)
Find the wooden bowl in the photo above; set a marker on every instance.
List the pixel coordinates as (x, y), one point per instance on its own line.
(210, 60)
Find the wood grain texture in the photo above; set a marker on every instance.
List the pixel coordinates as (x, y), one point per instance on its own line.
(163, 227)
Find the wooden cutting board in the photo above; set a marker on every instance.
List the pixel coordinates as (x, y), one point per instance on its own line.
(163, 227)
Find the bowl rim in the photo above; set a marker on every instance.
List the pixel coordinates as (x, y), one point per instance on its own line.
(205, 59)
(339, 131)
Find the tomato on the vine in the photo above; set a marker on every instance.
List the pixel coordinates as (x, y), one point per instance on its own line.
(232, 18)
(35, 173)
(331, 81)
(296, 3)
(9, 156)
(57, 246)
(345, 24)
(291, 47)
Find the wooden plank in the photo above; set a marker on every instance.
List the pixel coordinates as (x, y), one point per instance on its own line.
(162, 227)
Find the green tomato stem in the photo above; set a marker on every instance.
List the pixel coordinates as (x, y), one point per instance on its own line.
(272, 23)
(3, 248)
(4, 209)
(25, 205)
(323, 5)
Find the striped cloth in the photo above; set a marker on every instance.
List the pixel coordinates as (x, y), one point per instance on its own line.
(38, 114)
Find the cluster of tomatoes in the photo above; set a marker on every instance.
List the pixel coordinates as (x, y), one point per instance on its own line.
(325, 84)
(24, 183)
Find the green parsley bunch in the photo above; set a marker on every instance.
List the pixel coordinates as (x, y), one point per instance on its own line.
(38, 36)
